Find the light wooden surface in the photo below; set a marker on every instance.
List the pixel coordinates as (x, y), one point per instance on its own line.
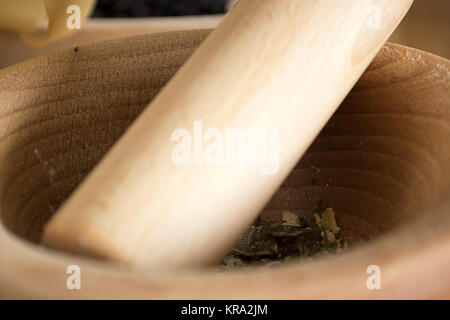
(15, 50)
(384, 160)
(282, 47)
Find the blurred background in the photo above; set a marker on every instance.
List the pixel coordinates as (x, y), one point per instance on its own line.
(426, 26)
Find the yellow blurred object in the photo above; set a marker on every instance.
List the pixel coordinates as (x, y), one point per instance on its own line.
(30, 17)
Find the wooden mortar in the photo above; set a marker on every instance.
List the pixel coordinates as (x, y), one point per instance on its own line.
(384, 163)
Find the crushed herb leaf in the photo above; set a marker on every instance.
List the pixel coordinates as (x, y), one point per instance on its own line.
(315, 169)
(270, 243)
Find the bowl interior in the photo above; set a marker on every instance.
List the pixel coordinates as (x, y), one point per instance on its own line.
(381, 161)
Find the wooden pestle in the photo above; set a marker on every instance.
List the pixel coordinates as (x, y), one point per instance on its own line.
(282, 65)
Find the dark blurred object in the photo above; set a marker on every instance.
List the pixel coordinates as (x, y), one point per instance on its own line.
(157, 8)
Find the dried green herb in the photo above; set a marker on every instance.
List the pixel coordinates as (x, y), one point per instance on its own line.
(256, 241)
(318, 207)
(315, 169)
(268, 243)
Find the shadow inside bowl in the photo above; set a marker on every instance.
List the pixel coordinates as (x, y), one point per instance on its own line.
(383, 158)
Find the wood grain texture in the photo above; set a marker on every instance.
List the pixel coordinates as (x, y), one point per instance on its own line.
(384, 160)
